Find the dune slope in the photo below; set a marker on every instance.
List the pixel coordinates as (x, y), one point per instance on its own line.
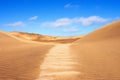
(20, 60)
(99, 53)
(44, 38)
(109, 31)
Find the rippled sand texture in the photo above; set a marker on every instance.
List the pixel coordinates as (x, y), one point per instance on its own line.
(59, 64)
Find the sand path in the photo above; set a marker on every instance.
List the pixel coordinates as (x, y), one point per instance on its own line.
(59, 64)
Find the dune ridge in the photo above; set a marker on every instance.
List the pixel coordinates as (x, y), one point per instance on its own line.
(99, 53)
(109, 31)
(44, 38)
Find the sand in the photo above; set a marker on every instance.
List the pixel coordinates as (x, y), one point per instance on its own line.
(59, 64)
(99, 53)
(43, 38)
(20, 60)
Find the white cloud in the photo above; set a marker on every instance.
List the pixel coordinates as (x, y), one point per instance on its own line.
(81, 21)
(33, 18)
(73, 29)
(16, 24)
(117, 18)
(69, 5)
(90, 20)
(58, 23)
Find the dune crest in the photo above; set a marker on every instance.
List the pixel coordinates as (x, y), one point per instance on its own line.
(109, 31)
(44, 38)
(99, 53)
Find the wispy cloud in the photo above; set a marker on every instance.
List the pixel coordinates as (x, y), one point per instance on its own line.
(117, 18)
(69, 5)
(69, 30)
(58, 23)
(87, 21)
(80, 21)
(33, 18)
(16, 24)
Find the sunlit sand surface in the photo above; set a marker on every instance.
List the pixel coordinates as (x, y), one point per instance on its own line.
(58, 64)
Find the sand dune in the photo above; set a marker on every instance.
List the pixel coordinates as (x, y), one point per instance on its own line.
(99, 53)
(44, 38)
(109, 31)
(20, 60)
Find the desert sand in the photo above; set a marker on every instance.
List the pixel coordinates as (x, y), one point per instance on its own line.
(59, 64)
(95, 56)
(44, 38)
(99, 53)
(20, 60)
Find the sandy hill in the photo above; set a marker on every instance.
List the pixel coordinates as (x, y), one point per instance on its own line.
(20, 60)
(109, 31)
(44, 38)
(99, 53)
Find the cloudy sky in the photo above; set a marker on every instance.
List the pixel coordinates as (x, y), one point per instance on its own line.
(57, 17)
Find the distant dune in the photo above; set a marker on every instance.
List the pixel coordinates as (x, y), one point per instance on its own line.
(99, 53)
(44, 38)
(20, 60)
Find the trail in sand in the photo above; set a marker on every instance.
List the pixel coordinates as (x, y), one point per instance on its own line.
(58, 64)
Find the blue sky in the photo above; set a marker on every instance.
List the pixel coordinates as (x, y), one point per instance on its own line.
(57, 17)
